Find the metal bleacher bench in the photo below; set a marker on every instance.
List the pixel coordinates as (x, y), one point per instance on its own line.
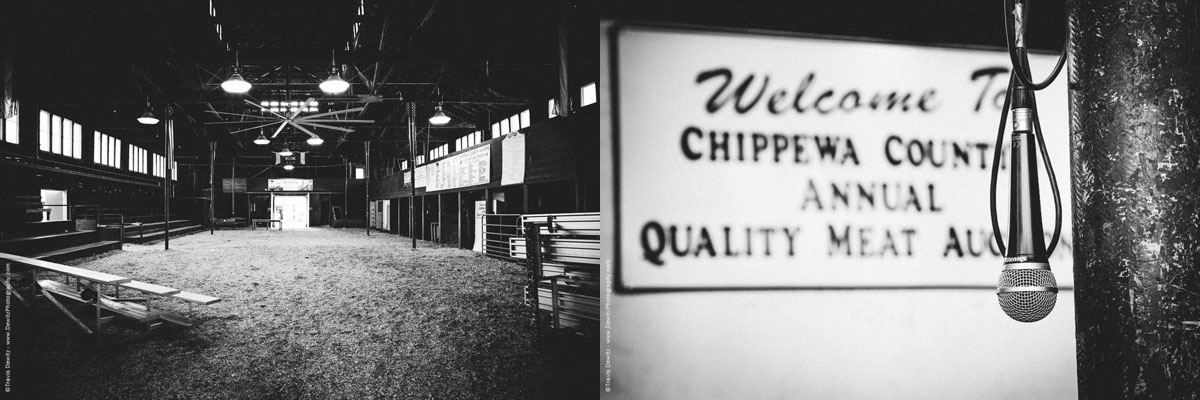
(565, 267)
(115, 304)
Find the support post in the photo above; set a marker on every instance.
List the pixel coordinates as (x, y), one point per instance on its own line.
(412, 149)
(1135, 108)
(168, 158)
(212, 190)
(367, 184)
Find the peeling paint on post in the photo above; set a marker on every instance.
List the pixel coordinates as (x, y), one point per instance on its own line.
(1135, 111)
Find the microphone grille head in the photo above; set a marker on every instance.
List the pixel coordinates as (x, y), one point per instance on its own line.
(1027, 295)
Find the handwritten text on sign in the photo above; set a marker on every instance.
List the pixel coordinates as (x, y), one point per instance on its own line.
(763, 161)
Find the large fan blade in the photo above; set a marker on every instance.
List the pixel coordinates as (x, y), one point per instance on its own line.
(326, 114)
(236, 114)
(306, 130)
(339, 121)
(259, 121)
(310, 123)
(253, 128)
(280, 129)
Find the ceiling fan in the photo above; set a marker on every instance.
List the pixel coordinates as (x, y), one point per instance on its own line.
(292, 117)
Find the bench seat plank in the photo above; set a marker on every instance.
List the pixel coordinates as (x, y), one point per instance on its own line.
(98, 277)
(150, 288)
(196, 298)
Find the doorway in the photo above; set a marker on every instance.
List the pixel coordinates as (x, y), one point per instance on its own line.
(56, 202)
(292, 210)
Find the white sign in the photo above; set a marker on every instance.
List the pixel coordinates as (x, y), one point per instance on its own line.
(512, 162)
(749, 161)
(421, 177)
(289, 185)
(469, 168)
(480, 229)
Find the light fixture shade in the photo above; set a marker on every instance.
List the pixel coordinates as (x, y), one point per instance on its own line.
(439, 117)
(235, 84)
(289, 167)
(262, 140)
(285, 152)
(148, 118)
(334, 84)
(315, 141)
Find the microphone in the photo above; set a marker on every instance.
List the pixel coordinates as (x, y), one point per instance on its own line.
(1027, 290)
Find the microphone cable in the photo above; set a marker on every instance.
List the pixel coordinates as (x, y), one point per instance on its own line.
(1021, 74)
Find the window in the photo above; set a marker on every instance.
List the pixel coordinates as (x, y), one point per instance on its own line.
(359, 173)
(44, 132)
(160, 166)
(478, 137)
(137, 159)
(77, 142)
(496, 129)
(587, 95)
(55, 134)
(12, 127)
(552, 108)
(59, 135)
(525, 119)
(68, 138)
(175, 170)
(107, 151)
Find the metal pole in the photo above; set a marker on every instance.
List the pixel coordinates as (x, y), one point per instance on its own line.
(1135, 106)
(367, 183)
(232, 199)
(212, 190)
(168, 142)
(412, 149)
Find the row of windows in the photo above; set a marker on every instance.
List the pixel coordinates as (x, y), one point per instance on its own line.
(107, 150)
(59, 135)
(470, 140)
(160, 166)
(11, 129)
(137, 159)
(440, 151)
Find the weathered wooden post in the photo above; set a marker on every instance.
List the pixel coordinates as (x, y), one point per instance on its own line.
(1135, 115)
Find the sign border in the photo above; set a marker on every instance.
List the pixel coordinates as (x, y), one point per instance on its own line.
(614, 32)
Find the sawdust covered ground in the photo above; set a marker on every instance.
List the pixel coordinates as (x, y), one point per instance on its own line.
(316, 313)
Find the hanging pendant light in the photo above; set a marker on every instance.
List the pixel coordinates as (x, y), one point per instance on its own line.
(262, 140)
(334, 84)
(288, 167)
(439, 117)
(148, 117)
(235, 83)
(285, 152)
(315, 141)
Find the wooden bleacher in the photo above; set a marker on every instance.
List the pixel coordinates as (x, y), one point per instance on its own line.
(567, 267)
(130, 308)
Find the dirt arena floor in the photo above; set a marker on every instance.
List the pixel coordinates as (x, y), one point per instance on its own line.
(308, 314)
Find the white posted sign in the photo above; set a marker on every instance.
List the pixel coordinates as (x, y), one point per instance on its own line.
(751, 161)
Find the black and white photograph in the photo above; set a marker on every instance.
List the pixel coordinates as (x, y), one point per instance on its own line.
(900, 200)
(222, 199)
